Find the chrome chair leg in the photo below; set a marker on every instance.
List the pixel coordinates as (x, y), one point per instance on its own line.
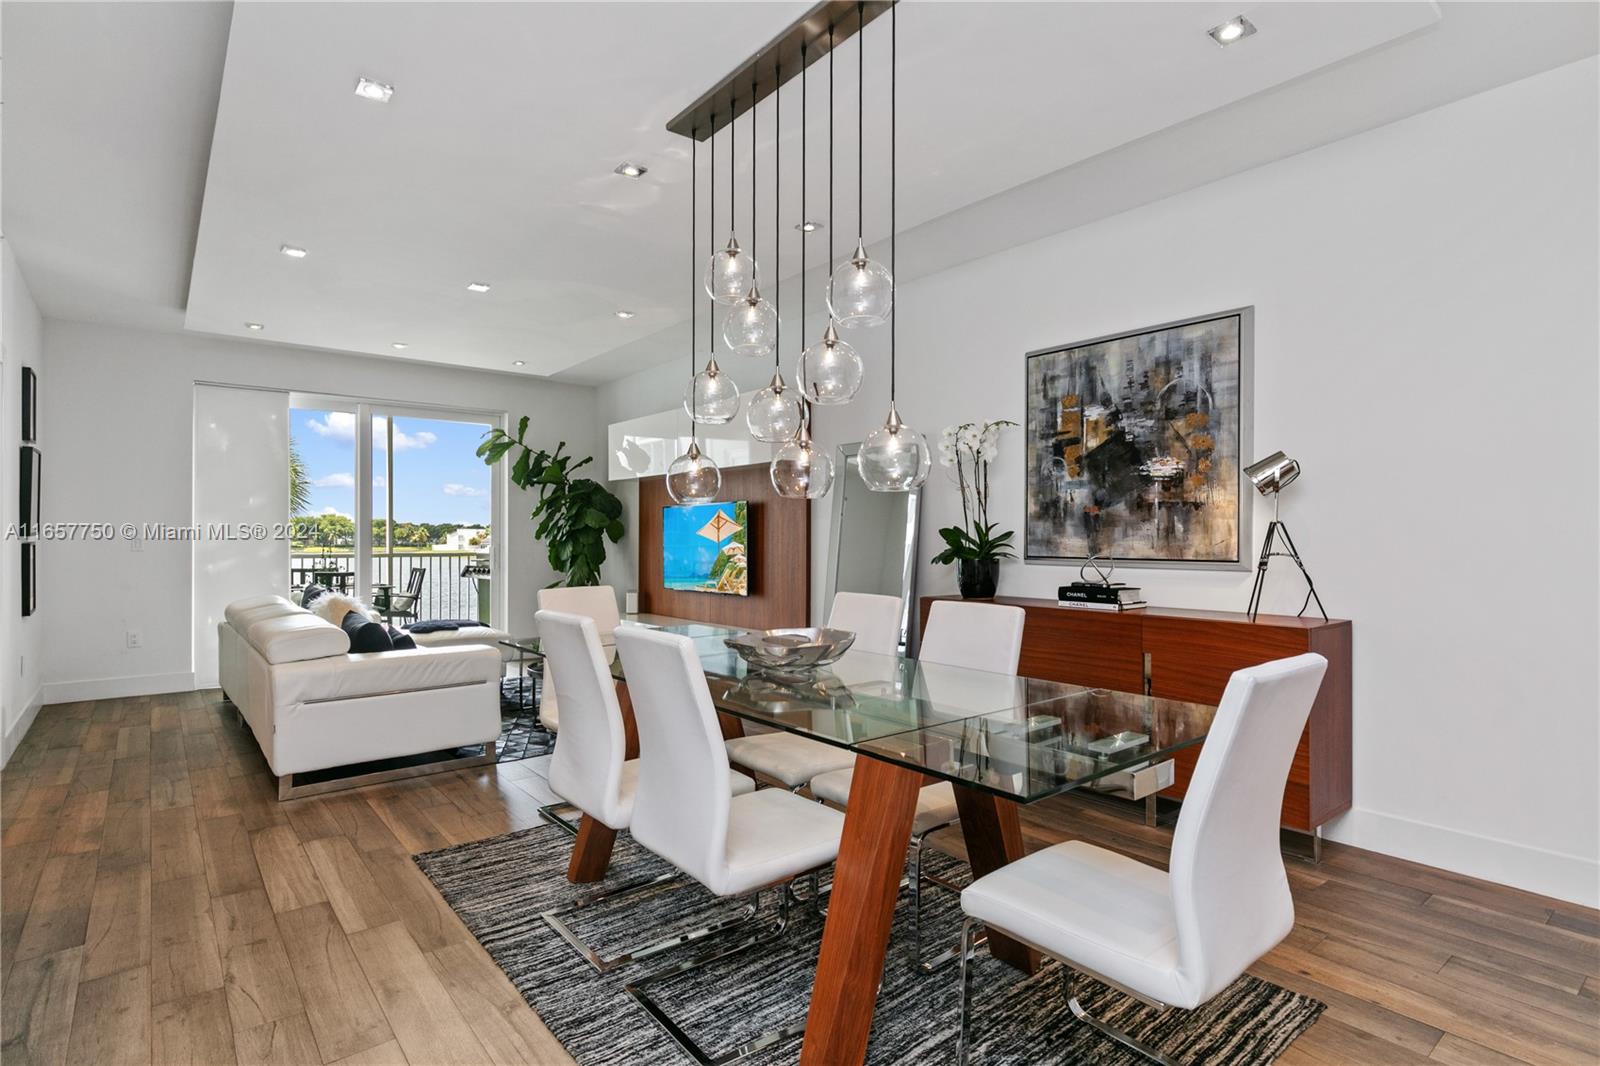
(1118, 1035)
(637, 989)
(548, 813)
(963, 1031)
(943, 959)
(556, 919)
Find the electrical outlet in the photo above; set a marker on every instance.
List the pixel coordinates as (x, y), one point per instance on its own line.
(135, 639)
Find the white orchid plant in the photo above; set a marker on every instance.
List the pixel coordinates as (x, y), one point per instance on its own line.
(967, 450)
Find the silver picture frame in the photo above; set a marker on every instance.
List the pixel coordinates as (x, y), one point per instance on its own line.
(1241, 558)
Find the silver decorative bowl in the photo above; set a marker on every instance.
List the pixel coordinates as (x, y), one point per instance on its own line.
(791, 649)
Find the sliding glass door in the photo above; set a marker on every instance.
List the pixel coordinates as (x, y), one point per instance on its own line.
(419, 540)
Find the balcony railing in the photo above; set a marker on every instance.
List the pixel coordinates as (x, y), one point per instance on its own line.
(445, 592)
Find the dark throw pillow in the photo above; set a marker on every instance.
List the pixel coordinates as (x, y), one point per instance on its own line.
(365, 634)
(402, 640)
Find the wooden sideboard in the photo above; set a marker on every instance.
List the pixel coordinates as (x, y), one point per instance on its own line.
(1189, 655)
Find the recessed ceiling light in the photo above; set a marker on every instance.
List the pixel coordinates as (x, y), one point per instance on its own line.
(623, 314)
(399, 346)
(809, 227)
(291, 251)
(477, 286)
(254, 327)
(518, 362)
(1235, 29)
(631, 170)
(368, 89)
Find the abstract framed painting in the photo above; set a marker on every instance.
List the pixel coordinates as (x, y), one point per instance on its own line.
(1136, 444)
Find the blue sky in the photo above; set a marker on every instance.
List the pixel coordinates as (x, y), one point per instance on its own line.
(437, 478)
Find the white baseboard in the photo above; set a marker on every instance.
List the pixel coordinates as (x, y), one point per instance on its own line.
(13, 737)
(1549, 873)
(110, 688)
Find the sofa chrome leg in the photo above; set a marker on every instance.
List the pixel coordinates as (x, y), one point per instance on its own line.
(637, 989)
(964, 1026)
(556, 919)
(285, 786)
(1118, 1035)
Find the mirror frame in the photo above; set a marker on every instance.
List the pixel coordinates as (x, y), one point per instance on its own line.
(908, 559)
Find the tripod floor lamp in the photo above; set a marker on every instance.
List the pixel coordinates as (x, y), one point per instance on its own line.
(1271, 476)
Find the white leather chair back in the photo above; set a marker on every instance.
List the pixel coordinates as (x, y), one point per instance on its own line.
(680, 808)
(598, 602)
(875, 620)
(586, 769)
(979, 636)
(1229, 889)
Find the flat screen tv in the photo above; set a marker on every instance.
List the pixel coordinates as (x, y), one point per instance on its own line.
(705, 548)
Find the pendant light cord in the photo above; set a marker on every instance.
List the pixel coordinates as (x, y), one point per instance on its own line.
(733, 144)
(830, 152)
(803, 219)
(755, 100)
(777, 218)
(894, 181)
(861, 113)
(694, 262)
(711, 235)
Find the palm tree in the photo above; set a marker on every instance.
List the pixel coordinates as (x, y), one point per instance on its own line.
(299, 483)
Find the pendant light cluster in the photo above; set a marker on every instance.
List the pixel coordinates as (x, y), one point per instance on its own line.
(860, 294)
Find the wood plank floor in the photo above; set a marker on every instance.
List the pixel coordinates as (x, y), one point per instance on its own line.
(157, 904)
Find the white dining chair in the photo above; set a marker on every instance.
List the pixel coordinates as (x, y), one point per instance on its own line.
(1170, 938)
(969, 637)
(794, 760)
(598, 602)
(589, 769)
(874, 619)
(733, 845)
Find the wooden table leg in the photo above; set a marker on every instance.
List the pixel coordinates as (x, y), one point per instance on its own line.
(993, 832)
(591, 852)
(866, 882)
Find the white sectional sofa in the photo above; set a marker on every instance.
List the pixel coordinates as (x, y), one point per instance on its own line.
(314, 705)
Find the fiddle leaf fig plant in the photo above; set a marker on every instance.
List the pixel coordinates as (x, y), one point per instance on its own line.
(576, 516)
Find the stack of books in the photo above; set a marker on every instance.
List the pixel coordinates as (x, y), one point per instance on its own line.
(1094, 596)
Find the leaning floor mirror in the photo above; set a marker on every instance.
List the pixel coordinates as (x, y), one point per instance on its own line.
(873, 542)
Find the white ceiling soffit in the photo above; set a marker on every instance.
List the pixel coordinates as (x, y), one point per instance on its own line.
(494, 159)
(109, 109)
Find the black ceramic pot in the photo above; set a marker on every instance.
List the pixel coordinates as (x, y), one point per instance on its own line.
(976, 578)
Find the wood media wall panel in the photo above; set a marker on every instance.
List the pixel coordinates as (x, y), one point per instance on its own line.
(780, 557)
(1189, 655)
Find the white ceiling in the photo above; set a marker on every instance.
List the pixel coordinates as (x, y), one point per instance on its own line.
(493, 162)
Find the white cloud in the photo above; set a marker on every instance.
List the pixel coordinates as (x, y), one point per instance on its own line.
(453, 489)
(335, 481)
(341, 425)
(336, 511)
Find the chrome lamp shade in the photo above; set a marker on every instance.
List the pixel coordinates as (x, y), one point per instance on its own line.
(1273, 474)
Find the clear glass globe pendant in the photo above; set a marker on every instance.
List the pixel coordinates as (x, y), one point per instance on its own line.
(830, 370)
(861, 291)
(751, 327)
(711, 398)
(693, 477)
(801, 471)
(894, 457)
(776, 412)
(730, 274)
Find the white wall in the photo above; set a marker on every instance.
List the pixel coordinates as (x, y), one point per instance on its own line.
(20, 638)
(119, 407)
(1426, 344)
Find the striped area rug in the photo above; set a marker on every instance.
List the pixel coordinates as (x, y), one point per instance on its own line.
(501, 886)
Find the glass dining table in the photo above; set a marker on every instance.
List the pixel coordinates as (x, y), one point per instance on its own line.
(1001, 740)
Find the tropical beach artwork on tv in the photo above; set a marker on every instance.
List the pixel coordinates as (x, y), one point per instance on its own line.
(705, 548)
